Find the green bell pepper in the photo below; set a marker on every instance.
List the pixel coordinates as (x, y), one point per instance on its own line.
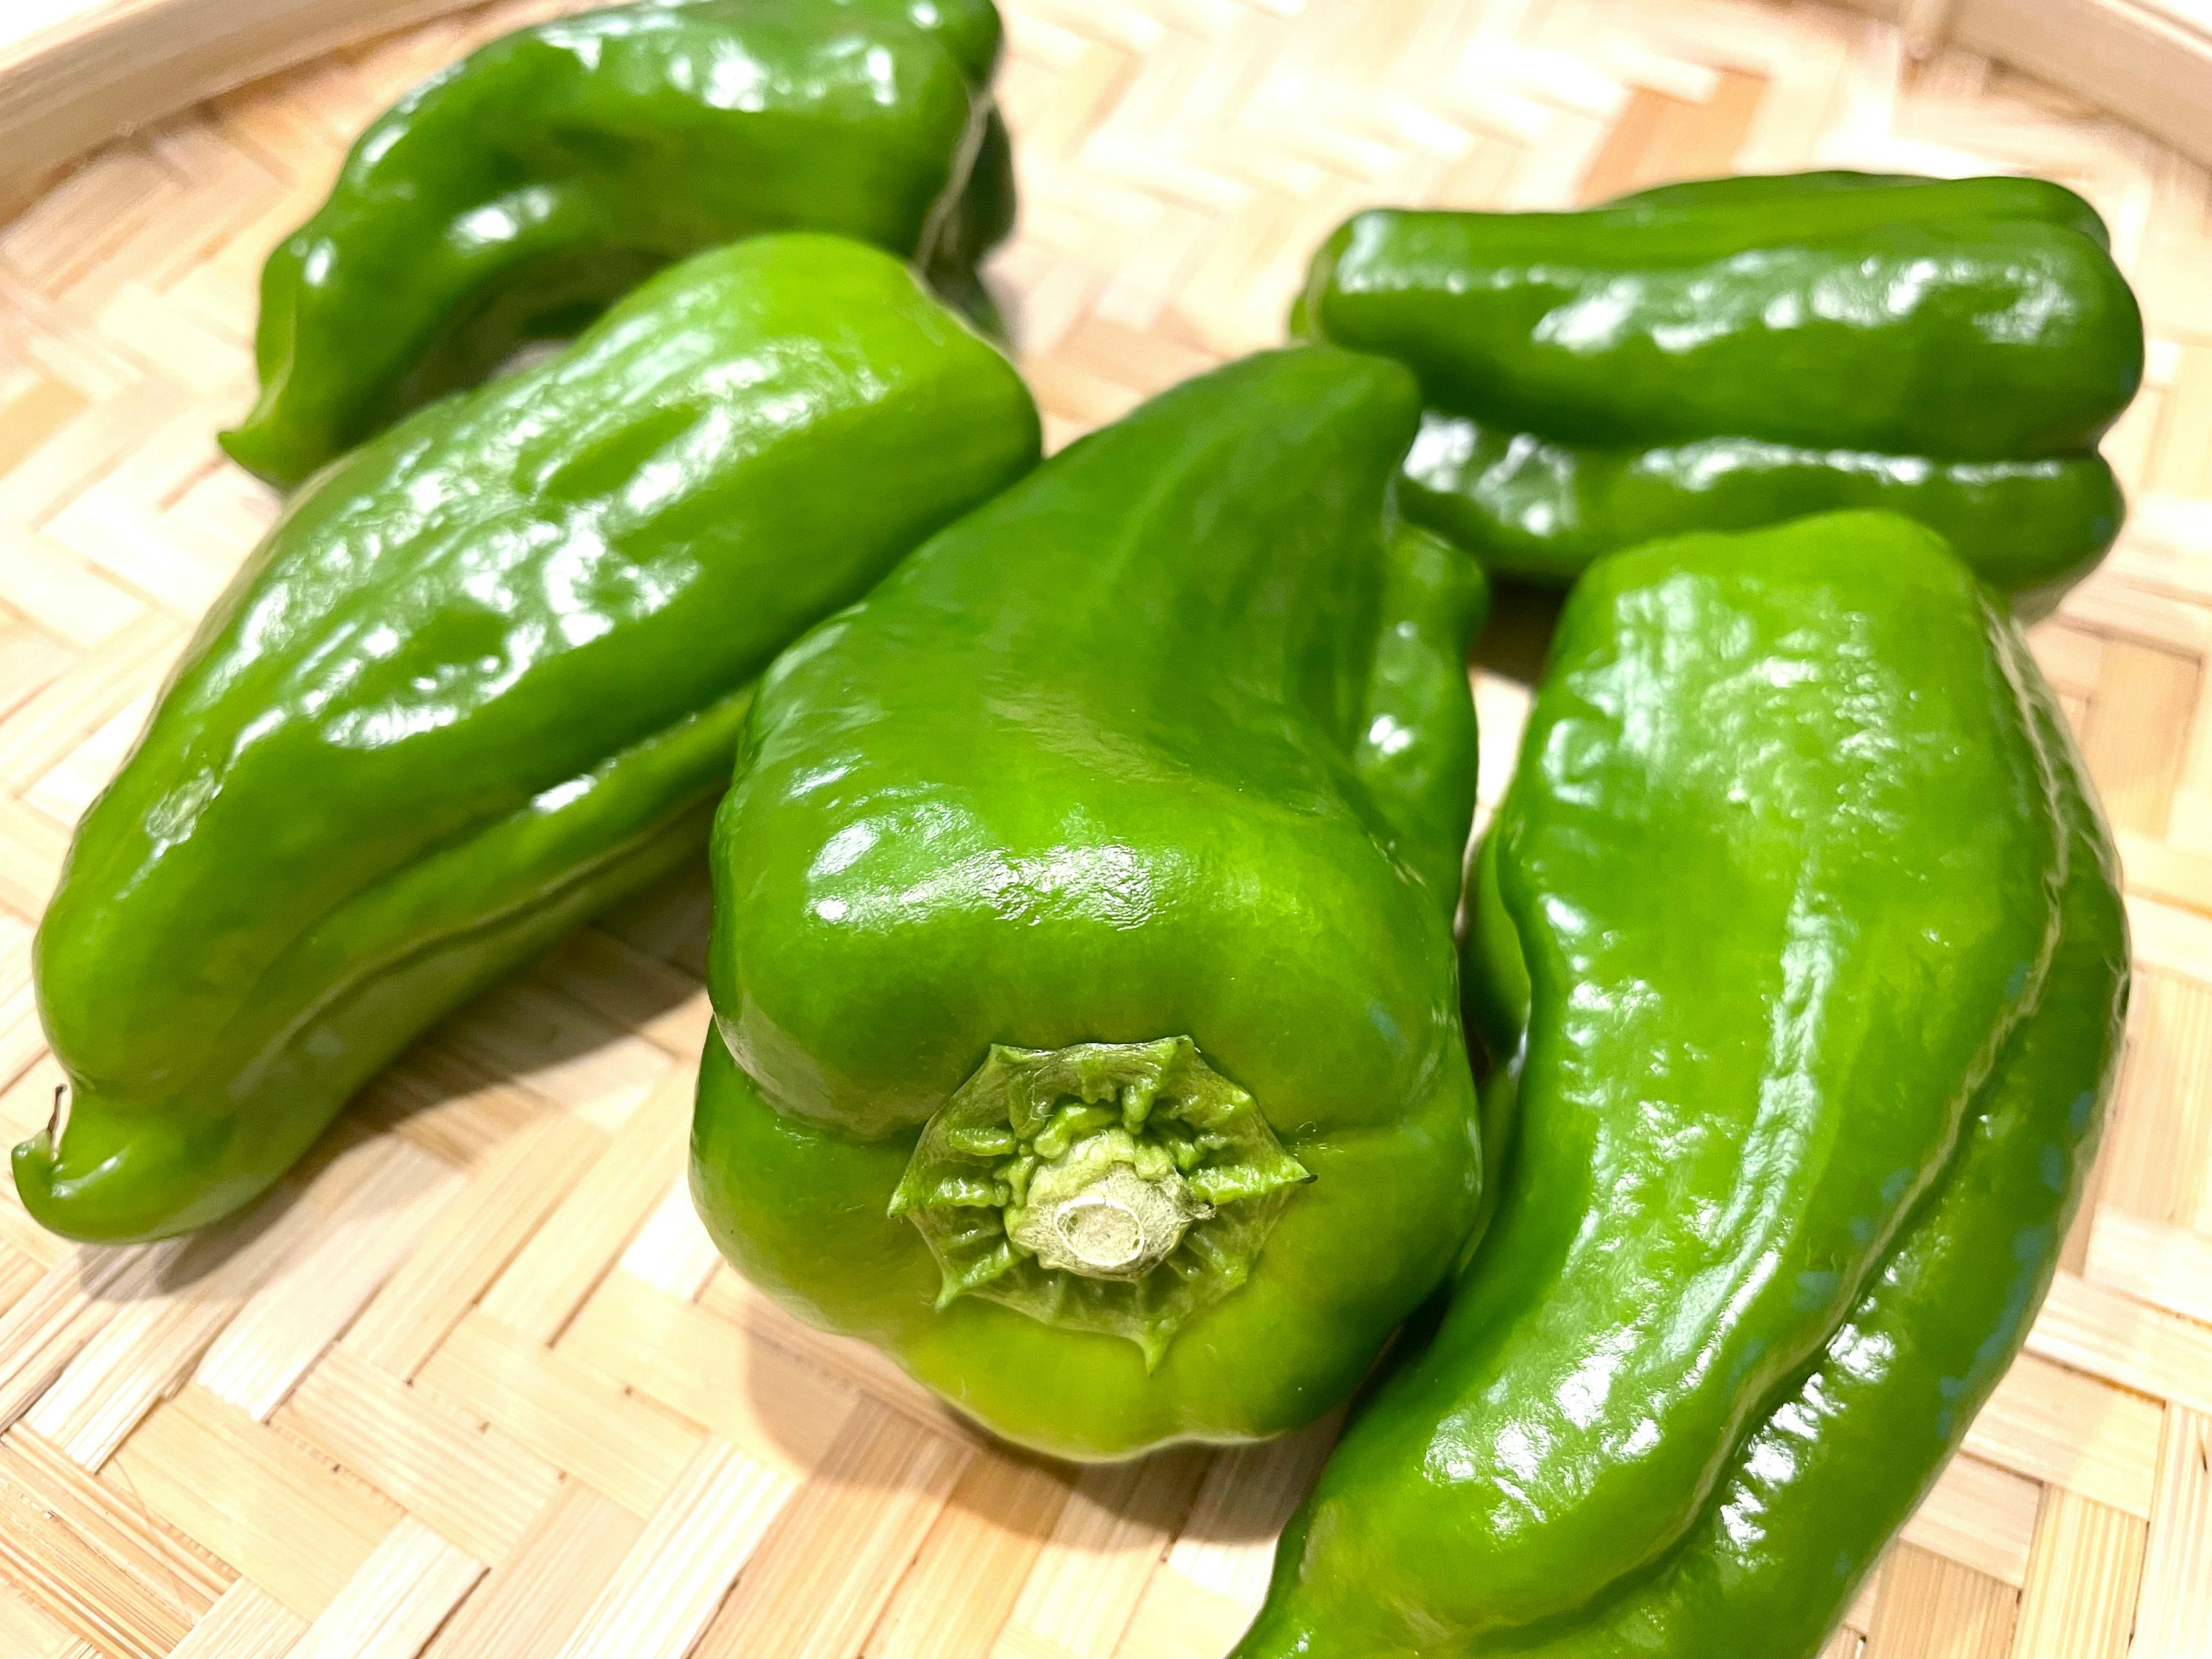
(1087, 1019)
(512, 196)
(483, 680)
(1815, 944)
(1739, 352)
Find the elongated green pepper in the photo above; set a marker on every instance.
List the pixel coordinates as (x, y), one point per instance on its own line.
(1087, 1025)
(1739, 352)
(512, 196)
(1819, 964)
(481, 681)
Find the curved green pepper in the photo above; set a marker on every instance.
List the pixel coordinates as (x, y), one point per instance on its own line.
(1088, 1033)
(1542, 510)
(1739, 352)
(510, 196)
(483, 680)
(1824, 968)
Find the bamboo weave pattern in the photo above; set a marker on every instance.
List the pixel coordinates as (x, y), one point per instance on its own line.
(473, 1385)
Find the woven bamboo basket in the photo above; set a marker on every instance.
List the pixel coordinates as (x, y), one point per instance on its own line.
(473, 1384)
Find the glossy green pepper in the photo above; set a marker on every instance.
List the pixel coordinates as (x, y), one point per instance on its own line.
(1815, 940)
(512, 196)
(1739, 352)
(1087, 1019)
(483, 680)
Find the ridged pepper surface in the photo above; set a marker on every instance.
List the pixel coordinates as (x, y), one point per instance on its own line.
(1087, 1019)
(1739, 352)
(1812, 936)
(510, 196)
(482, 680)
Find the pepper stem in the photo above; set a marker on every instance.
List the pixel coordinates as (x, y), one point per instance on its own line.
(1122, 1187)
(1095, 1209)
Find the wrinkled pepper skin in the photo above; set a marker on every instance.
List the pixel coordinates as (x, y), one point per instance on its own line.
(1145, 788)
(1739, 352)
(1794, 1163)
(483, 680)
(512, 196)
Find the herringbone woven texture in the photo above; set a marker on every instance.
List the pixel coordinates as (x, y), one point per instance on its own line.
(473, 1384)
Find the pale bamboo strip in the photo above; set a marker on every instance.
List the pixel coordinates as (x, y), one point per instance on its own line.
(31, 848)
(548, 1280)
(1931, 1608)
(51, 1323)
(691, 1550)
(2161, 550)
(89, 445)
(65, 792)
(164, 559)
(2162, 870)
(567, 1412)
(451, 1108)
(1181, 1619)
(18, 1273)
(64, 596)
(2183, 460)
(2071, 660)
(669, 925)
(2160, 1147)
(1090, 1575)
(83, 368)
(632, 989)
(248, 1622)
(31, 416)
(2152, 641)
(2109, 1336)
(672, 1252)
(2160, 1142)
(68, 85)
(1227, 1546)
(771, 1407)
(151, 1344)
(1860, 1615)
(2173, 1621)
(46, 726)
(855, 1364)
(21, 1041)
(253, 1497)
(395, 1602)
(2165, 1266)
(1016, 1642)
(963, 1582)
(91, 1557)
(560, 1049)
(25, 1631)
(284, 1328)
(828, 1567)
(1981, 1516)
(2143, 695)
(169, 338)
(530, 1604)
(472, 1485)
(472, 1242)
(2051, 1424)
(2083, 1581)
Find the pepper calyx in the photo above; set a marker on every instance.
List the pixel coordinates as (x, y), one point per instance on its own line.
(1115, 1188)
